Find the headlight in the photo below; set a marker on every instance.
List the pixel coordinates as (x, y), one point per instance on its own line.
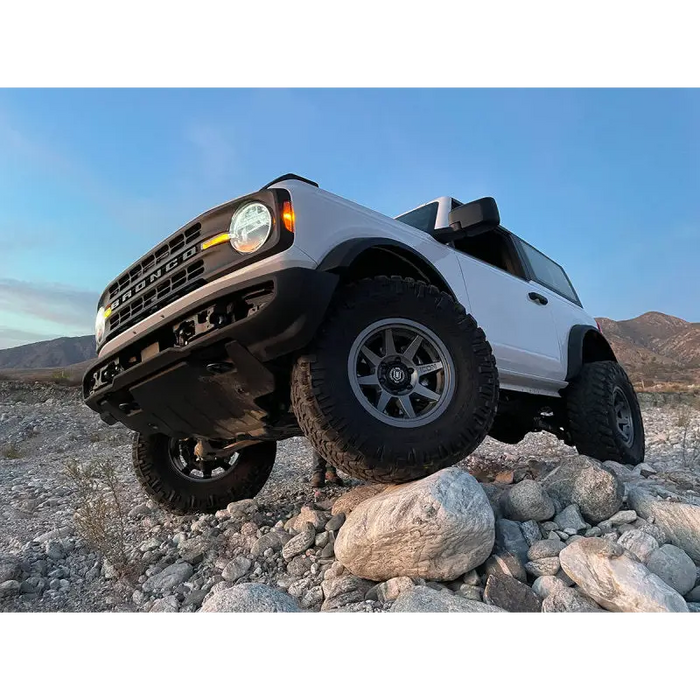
(100, 324)
(250, 227)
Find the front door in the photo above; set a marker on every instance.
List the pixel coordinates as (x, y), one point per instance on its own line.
(518, 325)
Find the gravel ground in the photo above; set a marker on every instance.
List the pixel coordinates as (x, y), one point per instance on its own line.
(44, 427)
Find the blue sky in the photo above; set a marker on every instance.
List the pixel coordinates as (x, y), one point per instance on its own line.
(607, 182)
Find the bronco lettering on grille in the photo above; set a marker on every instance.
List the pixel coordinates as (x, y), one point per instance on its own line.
(154, 277)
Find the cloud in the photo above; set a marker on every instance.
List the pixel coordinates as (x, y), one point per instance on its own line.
(59, 305)
(10, 337)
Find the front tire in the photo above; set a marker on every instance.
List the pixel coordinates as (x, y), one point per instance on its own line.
(605, 420)
(169, 473)
(399, 383)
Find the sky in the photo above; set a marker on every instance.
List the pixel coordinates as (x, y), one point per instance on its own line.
(606, 182)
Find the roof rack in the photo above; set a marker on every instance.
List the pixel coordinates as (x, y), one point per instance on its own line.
(289, 176)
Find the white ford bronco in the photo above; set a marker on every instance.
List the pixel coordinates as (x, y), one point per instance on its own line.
(394, 345)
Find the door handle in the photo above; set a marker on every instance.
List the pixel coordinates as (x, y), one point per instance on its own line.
(538, 298)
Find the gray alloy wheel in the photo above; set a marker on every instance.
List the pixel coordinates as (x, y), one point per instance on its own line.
(623, 416)
(401, 372)
(182, 459)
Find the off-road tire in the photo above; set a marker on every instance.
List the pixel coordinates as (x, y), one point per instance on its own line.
(351, 438)
(175, 492)
(507, 431)
(591, 415)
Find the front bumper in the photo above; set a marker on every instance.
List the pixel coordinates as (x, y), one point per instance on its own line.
(191, 376)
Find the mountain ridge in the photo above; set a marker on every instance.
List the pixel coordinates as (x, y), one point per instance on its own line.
(59, 352)
(656, 348)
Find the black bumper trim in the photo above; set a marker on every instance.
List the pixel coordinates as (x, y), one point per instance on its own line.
(175, 389)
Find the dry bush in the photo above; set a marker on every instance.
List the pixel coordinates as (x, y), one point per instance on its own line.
(11, 452)
(690, 437)
(101, 514)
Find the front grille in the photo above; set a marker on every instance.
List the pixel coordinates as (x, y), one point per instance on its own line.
(181, 283)
(148, 286)
(164, 253)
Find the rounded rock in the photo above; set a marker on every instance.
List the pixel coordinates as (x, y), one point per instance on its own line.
(249, 597)
(544, 549)
(548, 566)
(527, 500)
(673, 566)
(639, 543)
(547, 585)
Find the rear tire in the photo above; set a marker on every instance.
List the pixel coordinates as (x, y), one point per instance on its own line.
(172, 489)
(339, 385)
(605, 420)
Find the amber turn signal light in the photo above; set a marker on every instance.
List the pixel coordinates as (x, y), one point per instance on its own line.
(288, 216)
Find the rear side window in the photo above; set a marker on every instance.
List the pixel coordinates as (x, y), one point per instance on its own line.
(422, 218)
(548, 273)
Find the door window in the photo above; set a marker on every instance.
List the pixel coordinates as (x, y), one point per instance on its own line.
(422, 218)
(548, 273)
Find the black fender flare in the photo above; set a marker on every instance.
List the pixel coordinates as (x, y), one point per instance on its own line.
(343, 255)
(577, 334)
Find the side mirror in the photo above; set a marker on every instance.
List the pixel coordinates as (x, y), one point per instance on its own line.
(470, 219)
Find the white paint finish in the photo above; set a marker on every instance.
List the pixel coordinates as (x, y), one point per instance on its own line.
(324, 221)
(522, 333)
(292, 257)
(529, 340)
(565, 314)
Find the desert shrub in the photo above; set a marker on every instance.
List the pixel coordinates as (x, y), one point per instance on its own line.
(687, 420)
(11, 452)
(60, 376)
(101, 515)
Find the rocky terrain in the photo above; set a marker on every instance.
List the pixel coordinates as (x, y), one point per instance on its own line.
(527, 527)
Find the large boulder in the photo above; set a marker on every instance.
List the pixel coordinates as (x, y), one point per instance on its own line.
(527, 500)
(424, 599)
(680, 522)
(437, 528)
(672, 565)
(351, 499)
(594, 487)
(605, 572)
(250, 597)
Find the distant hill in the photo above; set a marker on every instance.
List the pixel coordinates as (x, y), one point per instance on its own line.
(656, 348)
(60, 352)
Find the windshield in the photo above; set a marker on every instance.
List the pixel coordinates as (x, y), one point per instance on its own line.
(422, 218)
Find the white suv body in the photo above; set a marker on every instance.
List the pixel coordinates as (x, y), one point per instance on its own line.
(529, 339)
(393, 345)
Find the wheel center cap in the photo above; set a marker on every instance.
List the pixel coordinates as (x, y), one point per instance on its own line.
(397, 375)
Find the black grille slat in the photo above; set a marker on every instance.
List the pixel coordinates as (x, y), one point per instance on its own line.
(171, 247)
(180, 282)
